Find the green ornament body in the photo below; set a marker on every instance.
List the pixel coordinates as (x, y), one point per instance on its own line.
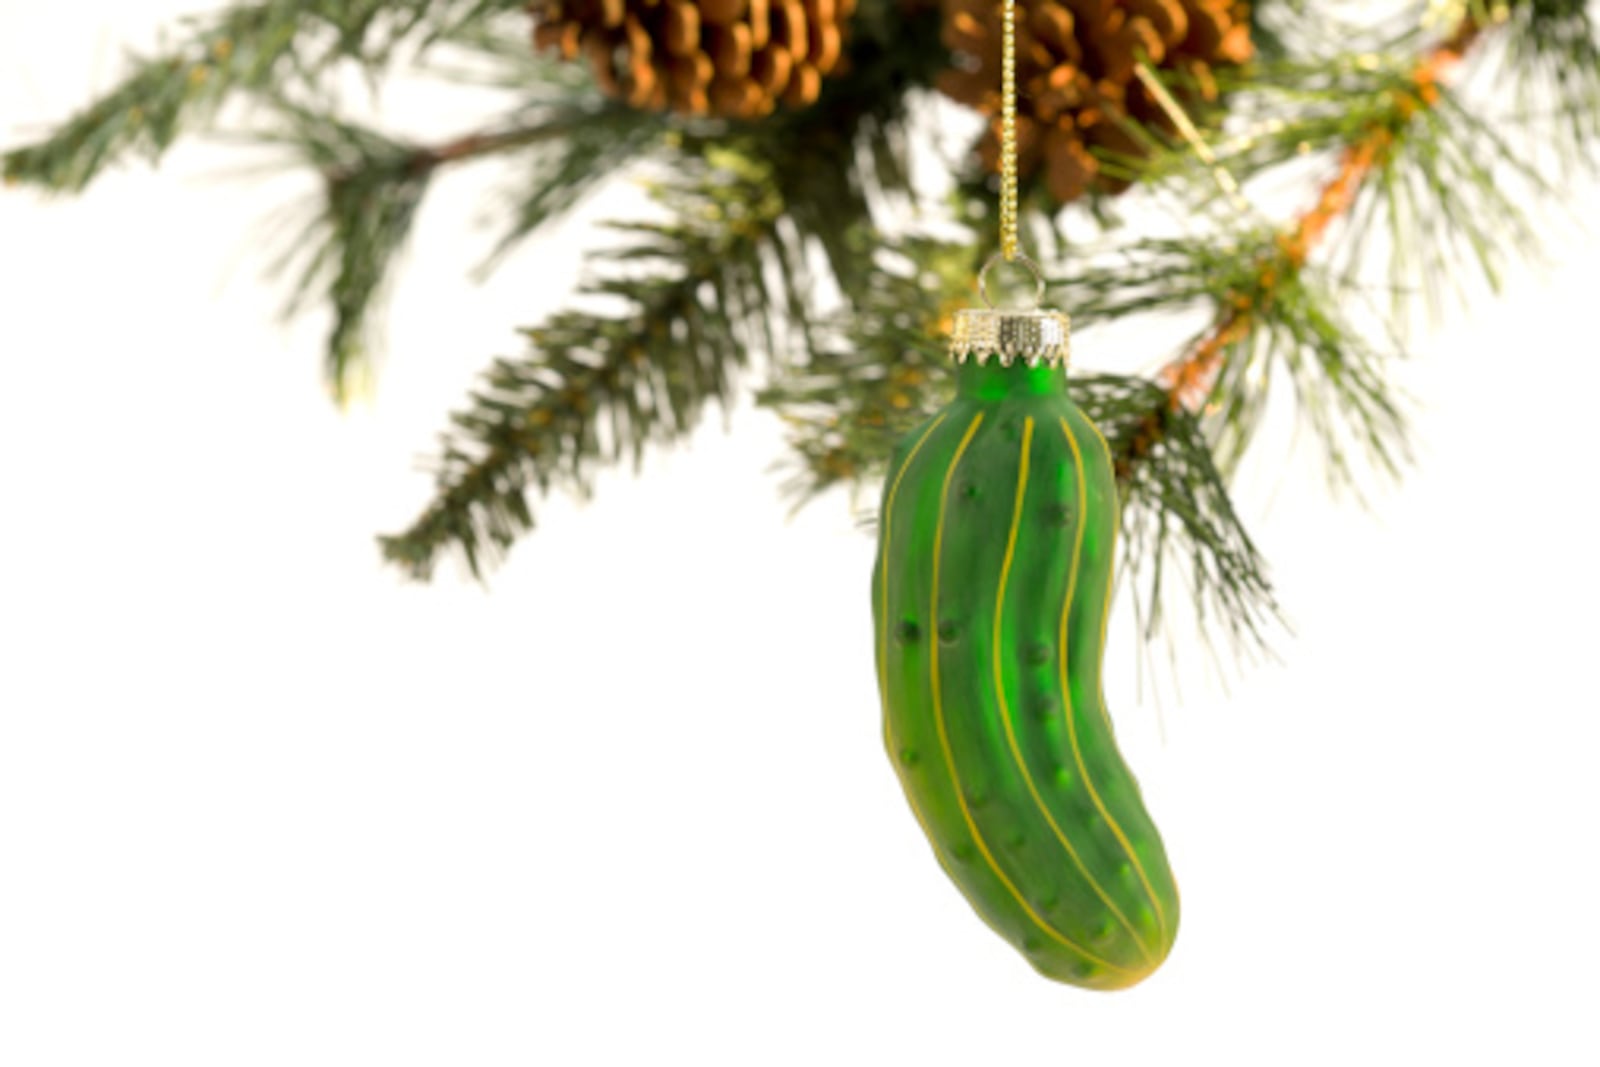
(990, 597)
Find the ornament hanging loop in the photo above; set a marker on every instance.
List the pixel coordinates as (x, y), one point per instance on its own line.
(1024, 260)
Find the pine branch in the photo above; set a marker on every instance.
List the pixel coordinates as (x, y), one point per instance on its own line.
(373, 186)
(874, 369)
(1340, 389)
(669, 324)
(1176, 508)
(600, 386)
(1270, 307)
(1160, 275)
(1191, 378)
(251, 49)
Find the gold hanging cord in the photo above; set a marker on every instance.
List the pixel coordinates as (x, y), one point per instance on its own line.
(1008, 134)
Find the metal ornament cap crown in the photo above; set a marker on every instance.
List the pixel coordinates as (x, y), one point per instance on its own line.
(1037, 337)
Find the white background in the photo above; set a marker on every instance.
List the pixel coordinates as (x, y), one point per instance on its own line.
(262, 802)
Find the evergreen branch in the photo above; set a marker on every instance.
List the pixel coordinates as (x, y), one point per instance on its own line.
(1176, 508)
(599, 386)
(1192, 377)
(679, 311)
(1453, 191)
(1160, 275)
(1337, 378)
(373, 186)
(147, 112)
(1272, 112)
(251, 48)
(874, 370)
(1276, 311)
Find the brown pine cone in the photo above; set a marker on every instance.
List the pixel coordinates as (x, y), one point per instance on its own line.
(733, 58)
(1076, 81)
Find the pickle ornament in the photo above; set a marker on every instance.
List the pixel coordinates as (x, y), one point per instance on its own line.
(990, 595)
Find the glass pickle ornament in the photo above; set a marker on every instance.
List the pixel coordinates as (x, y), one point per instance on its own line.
(990, 596)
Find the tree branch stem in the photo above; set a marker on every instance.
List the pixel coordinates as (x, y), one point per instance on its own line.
(1190, 377)
(484, 143)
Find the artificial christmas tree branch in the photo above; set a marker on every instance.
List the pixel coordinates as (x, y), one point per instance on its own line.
(247, 49)
(373, 185)
(798, 242)
(606, 384)
(1191, 377)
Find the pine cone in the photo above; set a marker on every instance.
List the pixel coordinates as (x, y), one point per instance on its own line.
(1076, 82)
(733, 58)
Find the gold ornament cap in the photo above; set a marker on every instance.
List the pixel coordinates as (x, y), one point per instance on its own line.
(1036, 336)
